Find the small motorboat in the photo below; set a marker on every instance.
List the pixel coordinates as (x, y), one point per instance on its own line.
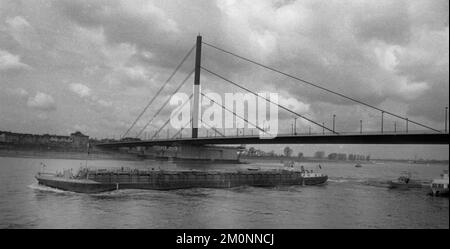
(439, 187)
(405, 182)
(358, 165)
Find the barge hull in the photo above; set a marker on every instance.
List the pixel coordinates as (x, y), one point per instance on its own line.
(101, 182)
(78, 186)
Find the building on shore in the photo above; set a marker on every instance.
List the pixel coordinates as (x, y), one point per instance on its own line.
(76, 140)
(79, 140)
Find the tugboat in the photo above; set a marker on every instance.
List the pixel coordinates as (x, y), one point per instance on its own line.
(404, 182)
(439, 187)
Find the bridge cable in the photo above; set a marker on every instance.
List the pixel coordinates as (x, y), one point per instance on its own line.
(214, 129)
(268, 100)
(165, 103)
(220, 133)
(176, 134)
(159, 91)
(162, 127)
(320, 87)
(259, 128)
(172, 115)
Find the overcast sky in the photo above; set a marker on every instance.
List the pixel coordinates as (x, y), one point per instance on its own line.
(93, 65)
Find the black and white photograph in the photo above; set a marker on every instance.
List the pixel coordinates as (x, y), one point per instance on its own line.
(205, 115)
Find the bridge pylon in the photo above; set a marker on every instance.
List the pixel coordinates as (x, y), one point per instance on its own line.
(196, 111)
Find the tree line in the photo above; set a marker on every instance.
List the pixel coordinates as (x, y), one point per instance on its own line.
(288, 152)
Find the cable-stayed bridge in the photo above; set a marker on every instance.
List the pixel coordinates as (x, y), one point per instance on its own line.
(217, 136)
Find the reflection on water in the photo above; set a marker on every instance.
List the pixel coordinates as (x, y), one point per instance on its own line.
(353, 198)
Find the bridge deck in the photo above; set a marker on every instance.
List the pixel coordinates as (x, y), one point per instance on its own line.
(390, 138)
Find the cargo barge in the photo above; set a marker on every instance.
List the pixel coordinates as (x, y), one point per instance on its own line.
(102, 180)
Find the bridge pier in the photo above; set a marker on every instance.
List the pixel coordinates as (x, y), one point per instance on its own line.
(208, 153)
(225, 154)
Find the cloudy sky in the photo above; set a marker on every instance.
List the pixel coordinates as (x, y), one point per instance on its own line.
(92, 65)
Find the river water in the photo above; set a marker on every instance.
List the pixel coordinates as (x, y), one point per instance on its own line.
(353, 198)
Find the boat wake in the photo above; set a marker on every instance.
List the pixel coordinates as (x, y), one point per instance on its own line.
(39, 187)
(338, 180)
(112, 194)
(377, 183)
(374, 182)
(346, 180)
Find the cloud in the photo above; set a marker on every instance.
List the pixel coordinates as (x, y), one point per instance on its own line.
(85, 92)
(294, 104)
(137, 22)
(10, 61)
(20, 92)
(104, 103)
(136, 73)
(17, 22)
(80, 89)
(411, 90)
(23, 32)
(125, 67)
(386, 21)
(133, 76)
(379, 52)
(42, 101)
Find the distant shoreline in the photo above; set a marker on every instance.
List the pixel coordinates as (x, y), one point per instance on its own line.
(324, 160)
(75, 155)
(99, 155)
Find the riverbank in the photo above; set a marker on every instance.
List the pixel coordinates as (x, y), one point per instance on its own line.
(282, 159)
(122, 156)
(68, 155)
(133, 157)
